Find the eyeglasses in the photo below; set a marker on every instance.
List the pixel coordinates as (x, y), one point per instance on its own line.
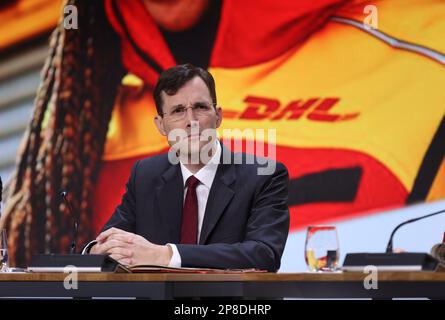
(199, 109)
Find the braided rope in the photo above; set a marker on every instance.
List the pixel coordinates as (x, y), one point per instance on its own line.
(64, 142)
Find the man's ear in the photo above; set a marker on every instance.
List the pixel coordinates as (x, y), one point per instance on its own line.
(159, 122)
(219, 116)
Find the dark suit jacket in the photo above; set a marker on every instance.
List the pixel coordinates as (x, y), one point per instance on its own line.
(246, 219)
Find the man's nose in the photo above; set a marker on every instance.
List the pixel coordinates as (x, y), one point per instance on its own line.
(190, 115)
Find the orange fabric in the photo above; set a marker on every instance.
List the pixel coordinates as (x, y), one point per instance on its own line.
(26, 19)
(146, 35)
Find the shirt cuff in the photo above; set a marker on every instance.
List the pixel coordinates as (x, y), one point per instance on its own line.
(87, 248)
(175, 261)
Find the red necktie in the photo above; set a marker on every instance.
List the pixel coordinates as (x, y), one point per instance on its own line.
(189, 225)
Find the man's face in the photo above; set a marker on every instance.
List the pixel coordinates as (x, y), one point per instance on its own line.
(190, 110)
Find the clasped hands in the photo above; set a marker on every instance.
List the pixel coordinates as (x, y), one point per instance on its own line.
(129, 249)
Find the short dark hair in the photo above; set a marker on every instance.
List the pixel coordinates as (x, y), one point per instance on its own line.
(173, 79)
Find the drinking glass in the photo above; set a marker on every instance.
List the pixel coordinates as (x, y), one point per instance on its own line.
(322, 250)
(4, 266)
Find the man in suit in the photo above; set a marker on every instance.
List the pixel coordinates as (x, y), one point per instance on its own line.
(197, 206)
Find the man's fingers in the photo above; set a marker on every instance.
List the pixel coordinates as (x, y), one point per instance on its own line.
(104, 235)
(117, 257)
(97, 249)
(125, 261)
(110, 244)
(128, 238)
(121, 251)
(121, 259)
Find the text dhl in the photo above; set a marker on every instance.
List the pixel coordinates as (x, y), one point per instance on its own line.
(315, 109)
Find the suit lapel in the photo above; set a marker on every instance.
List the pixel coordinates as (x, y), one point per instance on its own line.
(169, 203)
(220, 195)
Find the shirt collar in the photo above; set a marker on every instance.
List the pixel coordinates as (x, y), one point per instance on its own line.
(207, 173)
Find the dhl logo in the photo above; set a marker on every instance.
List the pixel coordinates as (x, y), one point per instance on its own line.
(314, 109)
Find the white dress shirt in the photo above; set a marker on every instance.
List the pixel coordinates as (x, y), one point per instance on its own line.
(205, 175)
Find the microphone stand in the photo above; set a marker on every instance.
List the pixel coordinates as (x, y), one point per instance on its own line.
(389, 246)
(75, 224)
(407, 261)
(80, 262)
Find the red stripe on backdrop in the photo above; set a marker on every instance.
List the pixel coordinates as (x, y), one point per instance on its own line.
(378, 189)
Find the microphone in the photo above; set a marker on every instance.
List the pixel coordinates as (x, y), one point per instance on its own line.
(82, 263)
(388, 261)
(389, 246)
(64, 194)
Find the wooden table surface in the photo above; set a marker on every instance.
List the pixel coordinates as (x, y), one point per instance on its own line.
(241, 286)
(273, 277)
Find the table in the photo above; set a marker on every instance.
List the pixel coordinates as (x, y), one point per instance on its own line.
(243, 286)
